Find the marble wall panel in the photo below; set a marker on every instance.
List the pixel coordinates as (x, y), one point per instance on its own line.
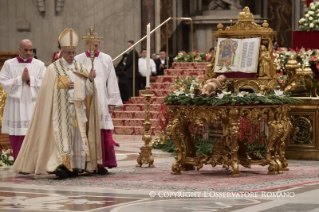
(166, 12)
(280, 19)
(148, 16)
(3, 26)
(116, 20)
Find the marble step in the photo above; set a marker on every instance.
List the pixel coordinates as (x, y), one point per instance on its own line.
(132, 122)
(190, 65)
(140, 107)
(129, 130)
(135, 115)
(164, 86)
(158, 92)
(184, 72)
(141, 100)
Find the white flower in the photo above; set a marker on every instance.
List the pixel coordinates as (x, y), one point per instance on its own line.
(240, 95)
(2, 163)
(192, 95)
(313, 7)
(310, 18)
(311, 25)
(278, 92)
(311, 12)
(305, 24)
(302, 20)
(259, 94)
(220, 96)
(224, 92)
(177, 93)
(311, 4)
(307, 15)
(10, 158)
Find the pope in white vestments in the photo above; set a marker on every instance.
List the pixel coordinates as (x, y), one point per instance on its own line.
(56, 141)
(21, 78)
(109, 98)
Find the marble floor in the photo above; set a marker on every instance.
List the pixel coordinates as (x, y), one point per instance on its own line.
(22, 197)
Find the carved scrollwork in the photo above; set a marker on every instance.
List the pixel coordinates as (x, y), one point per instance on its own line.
(275, 116)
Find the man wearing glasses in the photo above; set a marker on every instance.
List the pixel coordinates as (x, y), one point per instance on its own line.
(56, 141)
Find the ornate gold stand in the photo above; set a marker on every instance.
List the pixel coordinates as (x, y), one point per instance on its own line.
(145, 156)
(228, 152)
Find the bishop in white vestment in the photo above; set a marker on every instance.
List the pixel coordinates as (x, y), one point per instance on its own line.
(21, 78)
(56, 141)
(109, 98)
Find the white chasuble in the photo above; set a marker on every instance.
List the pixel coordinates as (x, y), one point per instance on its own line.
(58, 122)
(21, 97)
(106, 85)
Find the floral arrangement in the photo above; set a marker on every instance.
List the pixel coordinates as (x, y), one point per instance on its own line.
(249, 131)
(6, 157)
(186, 86)
(311, 19)
(183, 92)
(188, 57)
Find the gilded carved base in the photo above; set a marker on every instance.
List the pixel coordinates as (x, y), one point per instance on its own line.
(302, 143)
(228, 152)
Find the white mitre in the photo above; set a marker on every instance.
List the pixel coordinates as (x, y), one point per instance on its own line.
(68, 39)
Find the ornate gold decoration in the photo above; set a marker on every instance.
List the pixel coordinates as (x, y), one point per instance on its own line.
(145, 156)
(246, 15)
(260, 85)
(275, 117)
(220, 26)
(247, 28)
(63, 82)
(66, 161)
(301, 129)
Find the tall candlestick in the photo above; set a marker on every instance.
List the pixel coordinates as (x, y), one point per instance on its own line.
(148, 57)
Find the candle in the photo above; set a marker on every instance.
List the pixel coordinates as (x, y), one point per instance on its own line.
(148, 57)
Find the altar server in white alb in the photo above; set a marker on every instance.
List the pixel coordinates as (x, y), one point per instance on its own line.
(109, 97)
(21, 78)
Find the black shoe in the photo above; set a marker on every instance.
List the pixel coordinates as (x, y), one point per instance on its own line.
(73, 174)
(102, 171)
(61, 173)
(24, 173)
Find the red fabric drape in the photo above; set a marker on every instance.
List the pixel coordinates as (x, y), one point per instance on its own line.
(308, 2)
(308, 40)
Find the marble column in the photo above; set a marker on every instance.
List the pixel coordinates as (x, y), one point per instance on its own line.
(280, 19)
(157, 22)
(148, 16)
(166, 12)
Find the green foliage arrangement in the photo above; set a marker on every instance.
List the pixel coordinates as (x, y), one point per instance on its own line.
(227, 98)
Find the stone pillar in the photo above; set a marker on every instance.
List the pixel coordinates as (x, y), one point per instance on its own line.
(157, 22)
(147, 7)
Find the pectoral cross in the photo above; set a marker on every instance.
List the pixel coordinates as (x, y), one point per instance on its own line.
(91, 38)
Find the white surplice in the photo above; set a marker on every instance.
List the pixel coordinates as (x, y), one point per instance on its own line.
(21, 97)
(142, 63)
(106, 85)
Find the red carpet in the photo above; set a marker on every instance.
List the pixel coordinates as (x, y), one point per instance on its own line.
(207, 179)
(129, 121)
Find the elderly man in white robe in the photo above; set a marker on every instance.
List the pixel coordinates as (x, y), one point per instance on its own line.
(56, 141)
(109, 98)
(21, 78)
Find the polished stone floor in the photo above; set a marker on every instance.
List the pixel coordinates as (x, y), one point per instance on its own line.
(23, 197)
